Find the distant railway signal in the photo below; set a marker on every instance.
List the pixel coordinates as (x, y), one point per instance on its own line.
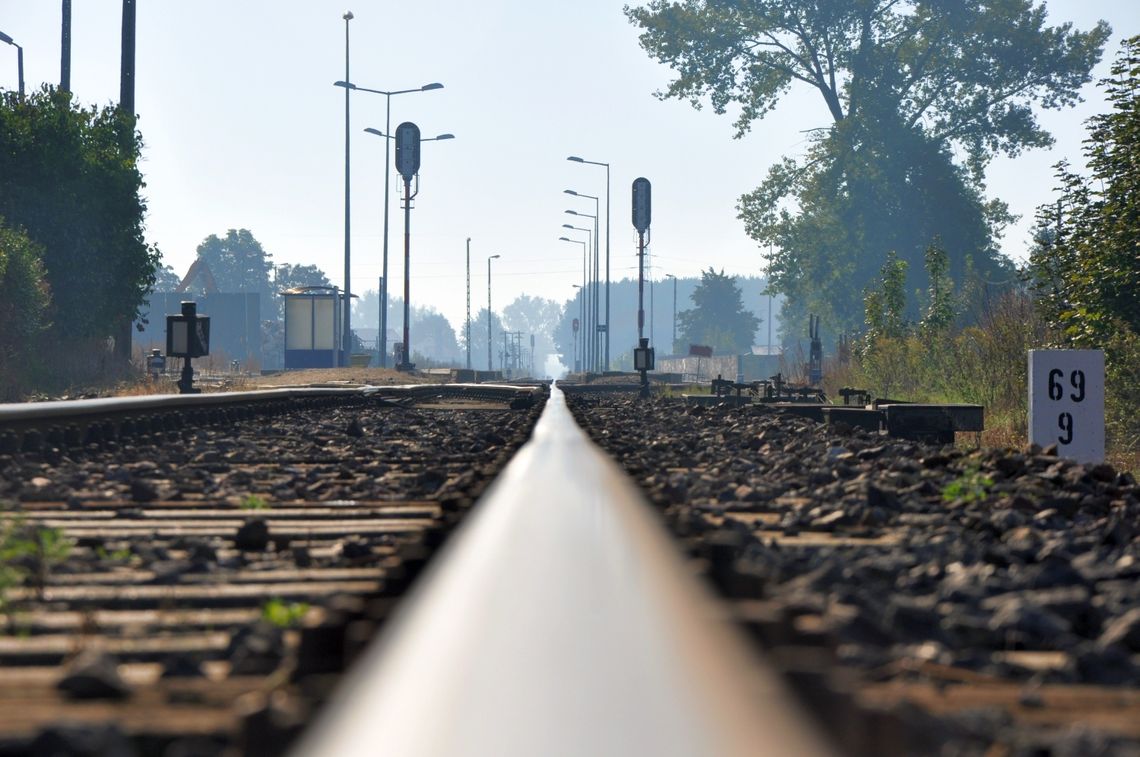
(642, 204)
(408, 150)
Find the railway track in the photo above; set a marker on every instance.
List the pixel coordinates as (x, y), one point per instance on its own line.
(195, 573)
(877, 596)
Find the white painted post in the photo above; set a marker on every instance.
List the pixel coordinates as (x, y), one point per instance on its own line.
(1066, 402)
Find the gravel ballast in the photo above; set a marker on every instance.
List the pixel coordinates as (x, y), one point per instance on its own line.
(909, 564)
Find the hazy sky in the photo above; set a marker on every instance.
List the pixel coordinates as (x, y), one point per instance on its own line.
(243, 128)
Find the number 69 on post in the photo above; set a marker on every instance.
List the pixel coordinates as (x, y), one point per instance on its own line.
(1066, 402)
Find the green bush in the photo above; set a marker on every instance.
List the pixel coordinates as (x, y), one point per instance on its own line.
(24, 300)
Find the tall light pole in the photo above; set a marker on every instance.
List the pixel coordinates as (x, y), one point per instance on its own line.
(595, 346)
(597, 237)
(581, 289)
(65, 47)
(673, 344)
(123, 331)
(469, 303)
(346, 323)
(490, 361)
(590, 324)
(348, 85)
(576, 159)
(19, 62)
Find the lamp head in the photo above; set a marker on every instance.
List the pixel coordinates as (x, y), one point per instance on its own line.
(576, 159)
(570, 192)
(572, 212)
(345, 84)
(566, 239)
(492, 257)
(567, 226)
(348, 16)
(377, 132)
(5, 38)
(433, 85)
(445, 136)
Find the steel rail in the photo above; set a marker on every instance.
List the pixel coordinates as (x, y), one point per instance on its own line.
(23, 412)
(560, 620)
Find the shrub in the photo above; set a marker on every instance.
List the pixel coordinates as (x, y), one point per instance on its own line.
(24, 300)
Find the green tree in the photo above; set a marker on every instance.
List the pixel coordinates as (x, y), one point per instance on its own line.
(479, 345)
(433, 337)
(906, 83)
(966, 71)
(941, 305)
(1085, 266)
(69, 179)
(24, 301)
(718, 318)
(238, 262)
(165, 279)
(885, 306)
(288, 276)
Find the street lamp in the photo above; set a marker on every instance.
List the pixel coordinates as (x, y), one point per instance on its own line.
(348, 85)
(590, 324)
(346, 342)
(576, 159)
(19, 61)
(673, 344)
(597, 241)
(490, 363)
(581, 289)
(595, 346)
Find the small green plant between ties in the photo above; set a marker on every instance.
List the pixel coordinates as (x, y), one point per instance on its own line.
(254, 502)
(284, 614)
(971, 486)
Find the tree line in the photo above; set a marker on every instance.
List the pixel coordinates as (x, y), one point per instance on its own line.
(74, 266)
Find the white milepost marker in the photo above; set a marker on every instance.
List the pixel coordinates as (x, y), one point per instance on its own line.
(1066, 402)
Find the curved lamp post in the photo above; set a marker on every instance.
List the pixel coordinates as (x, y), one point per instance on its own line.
(346, 341)
(19, 61)
(576, 159)
(590, 323)
(348, 85)
(595, 300)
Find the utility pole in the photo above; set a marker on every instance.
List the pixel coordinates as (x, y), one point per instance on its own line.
(126, 107)
(65, 48)
(469, 303)
(346, 346)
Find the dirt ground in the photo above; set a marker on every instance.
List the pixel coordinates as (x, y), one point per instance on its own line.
(357, 376)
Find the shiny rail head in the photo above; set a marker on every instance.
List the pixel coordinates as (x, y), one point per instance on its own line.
(560, 620)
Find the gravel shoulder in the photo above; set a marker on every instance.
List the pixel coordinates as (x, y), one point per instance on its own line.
(986, 600)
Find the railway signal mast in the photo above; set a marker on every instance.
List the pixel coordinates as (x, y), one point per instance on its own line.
(408, 164)
(642, 210)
